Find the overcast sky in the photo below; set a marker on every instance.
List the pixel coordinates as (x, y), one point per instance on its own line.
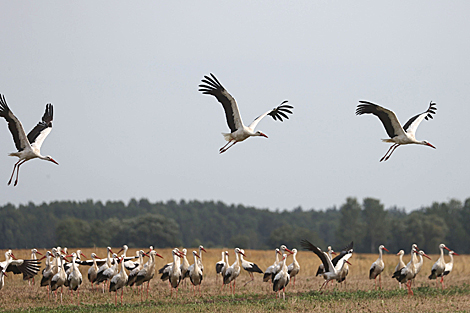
(129, 121)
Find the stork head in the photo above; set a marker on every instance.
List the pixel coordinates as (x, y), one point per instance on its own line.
(49, 158)
(383, 247)
(260, 133)
(426, 143)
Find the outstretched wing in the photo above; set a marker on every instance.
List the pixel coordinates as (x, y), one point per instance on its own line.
(307, 245)
(14, 124)
(277, 113)
(344, 251)
(413, 123)
(37, 135)
(213, 87)
(388, 118)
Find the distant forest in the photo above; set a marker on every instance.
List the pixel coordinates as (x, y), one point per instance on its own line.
(215, 224)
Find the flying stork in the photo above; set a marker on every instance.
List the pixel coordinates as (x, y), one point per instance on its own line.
(238, 131)
(28, 146)
(398, 135)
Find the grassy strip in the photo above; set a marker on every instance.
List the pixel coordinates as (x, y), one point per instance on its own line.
(258, 302)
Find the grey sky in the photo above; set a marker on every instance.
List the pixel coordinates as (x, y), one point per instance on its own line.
(129, 122)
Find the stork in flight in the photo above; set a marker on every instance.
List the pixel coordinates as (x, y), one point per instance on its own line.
(398, 135)
(28, 146)
(238, 131)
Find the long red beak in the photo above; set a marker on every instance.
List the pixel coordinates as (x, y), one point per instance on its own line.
(348, 262)
(83, 255)
(159, 255)
(43, 257)
(447, 249)
(424, 254)
(54, 161)
(39, 253)
(455, 253)
(386, 249)
(431, 145)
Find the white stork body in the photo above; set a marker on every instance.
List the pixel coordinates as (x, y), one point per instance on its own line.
(184, 266)
(377, 267)
(133, 274)
(419, 265)
(195, 274)
(119, 281)
(332, 271)
(28, 146)
(238, 131)
(398, 135)
(147, 272)
(174, 278)
(439, 267)
(199, 260)
(294, 268)
(59, 279)
(250, 267)
(2, 278)
(233, 271)
(406, 274)
(93, 270)
(282, 250)
(219, 266)
(400, 264)
(449, 266)
(281, 280)
(75, 277)
(269, 273)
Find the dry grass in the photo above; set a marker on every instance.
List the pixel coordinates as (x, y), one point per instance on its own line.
(354, 296)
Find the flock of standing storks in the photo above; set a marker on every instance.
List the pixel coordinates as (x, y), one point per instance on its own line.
(29, 145)
(59, 272)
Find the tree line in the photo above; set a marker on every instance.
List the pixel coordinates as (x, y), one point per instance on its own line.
(141, 223)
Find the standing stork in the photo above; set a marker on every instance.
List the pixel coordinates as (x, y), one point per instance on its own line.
(75, 277)
(406, 274)
(294, 268)
(377, 267)
(281, 280)
(195, 274)
(238, 131)
(448, 267)
(220, 265)
(269, 273)
(439, 267)
(250, 267)
(28, 146)
(233, 271)
(398, 135)
(400, 264)
(119, 281)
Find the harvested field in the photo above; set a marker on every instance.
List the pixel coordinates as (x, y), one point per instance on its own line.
(356, 295)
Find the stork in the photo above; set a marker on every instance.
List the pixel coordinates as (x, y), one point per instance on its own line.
(238, 131)
(448, 267)
(398, 135)
(58, 280)
(184, 266)
(119, 281)
(250, 267)
(321, 268)
(93, 270)
(439, 267)
(133, 274)
(377, 267)
(199, 260)
(27, 277)
(269, 273)
(281, 280)
(400, 264)
(174, 277)
(195, 274)
(294, 268)
(18, 266)
(406, 274)
(233, 271)
(28, 146)
(332, 269)
(220, 265)
(420, 262)
(147, 272)
(75, 277)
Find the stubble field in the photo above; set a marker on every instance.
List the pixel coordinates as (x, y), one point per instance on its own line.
(357, 295)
